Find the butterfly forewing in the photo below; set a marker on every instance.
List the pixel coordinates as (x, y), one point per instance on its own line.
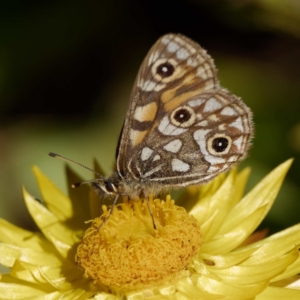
(181, 127)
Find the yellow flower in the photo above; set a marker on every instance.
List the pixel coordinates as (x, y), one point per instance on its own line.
(216, 254)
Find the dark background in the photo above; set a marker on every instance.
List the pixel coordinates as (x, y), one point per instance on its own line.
(67, 67)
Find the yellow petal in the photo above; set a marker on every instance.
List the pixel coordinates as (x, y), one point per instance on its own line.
(211, 187)
(232, 239)
(189, 199)
(74, 294)
(216, 203)
(82, 290)
(62, 247)
(17, 236)
(27, 272)
(291, 270)
(58, 277)
(57, 202)
(256, 236)
(11, 289)
(9, 253)
(189, 288)
(276, 293)
(263, 194)
(224, 288)
(48, 222)
(282, 241)
(239, 186)
(79, 199)
(292, 282)
(257, 273)
(222, 261)
(219, 203)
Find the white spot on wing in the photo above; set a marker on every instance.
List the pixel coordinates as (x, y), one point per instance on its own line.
(156, 157)
(140, 82)
(214, 160)
(133, 134)
(165, 40)
(212, 169)
(182, 54)
(200, 59)
(213, 117)
(238, 143)
(191, 61)
(211, 105)
(203, 123)
(146, 153)
(201, 73)
(173, 47)
(180, 41)
(237, 124)
(173, 146)
(199, 117)
(168, 129)
(153, 57)
(179, 165)
(232, 158)
(224, 167)
(222, 126)
(200, 139)
(184, 43)
(150, 85)
(228, 111)
(196, 102)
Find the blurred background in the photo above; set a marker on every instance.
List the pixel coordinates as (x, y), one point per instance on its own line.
(67, 68)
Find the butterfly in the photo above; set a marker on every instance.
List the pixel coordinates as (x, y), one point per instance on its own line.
(181, 128)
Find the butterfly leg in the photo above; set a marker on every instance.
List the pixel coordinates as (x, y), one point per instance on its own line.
(150, 211)
(100, 205)
(110, 212)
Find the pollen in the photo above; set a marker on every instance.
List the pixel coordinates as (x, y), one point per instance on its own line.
(127, 253)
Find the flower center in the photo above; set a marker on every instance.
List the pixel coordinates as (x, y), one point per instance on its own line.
(127, 252)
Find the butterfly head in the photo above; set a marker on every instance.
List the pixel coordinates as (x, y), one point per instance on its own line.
(106, 186)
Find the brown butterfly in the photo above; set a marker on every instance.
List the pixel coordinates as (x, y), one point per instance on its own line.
(181, 127)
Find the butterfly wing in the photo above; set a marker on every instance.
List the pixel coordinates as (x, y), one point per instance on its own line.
(177, 115)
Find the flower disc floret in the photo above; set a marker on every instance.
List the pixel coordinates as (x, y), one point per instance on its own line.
(127, 252)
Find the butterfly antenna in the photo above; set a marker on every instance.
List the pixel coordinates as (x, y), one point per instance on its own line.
(77, 163)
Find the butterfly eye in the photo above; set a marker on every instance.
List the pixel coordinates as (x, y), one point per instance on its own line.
(183, 116)
(109, 187)
(219, 144)
(165, 70)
